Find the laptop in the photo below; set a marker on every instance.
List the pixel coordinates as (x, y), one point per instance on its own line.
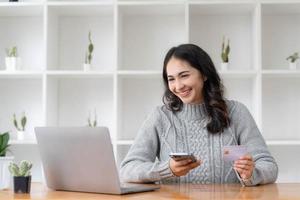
(81, 159)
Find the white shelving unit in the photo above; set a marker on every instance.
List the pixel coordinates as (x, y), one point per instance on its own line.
(125, 84)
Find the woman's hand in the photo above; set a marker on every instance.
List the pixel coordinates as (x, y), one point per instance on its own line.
(182, 167)
(244, 166)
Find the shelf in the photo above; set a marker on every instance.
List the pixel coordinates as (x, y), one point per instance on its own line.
(145, 49)
(16, 142)
(139, 74)
(21, 74)
(235, 21)
(79, 3)
(282, 142)
(278, 41)
(71, 100)
(24, 9)
(137, 98)
(121, 153)
(281, 73)
(238, 73)
(79, 74)
(22, 26)
(20, 95)
(281, 108)
(68, 29)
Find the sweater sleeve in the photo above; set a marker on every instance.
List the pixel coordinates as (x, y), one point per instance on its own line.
(248, 134)
(140, 164)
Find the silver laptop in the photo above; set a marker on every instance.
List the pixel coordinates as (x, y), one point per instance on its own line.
(81, 159)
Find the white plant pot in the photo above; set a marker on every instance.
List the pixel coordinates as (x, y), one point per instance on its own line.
(293, 65)
(86, 67)
(20, 135)
(5, 176)
(13, 63)
(224, 66)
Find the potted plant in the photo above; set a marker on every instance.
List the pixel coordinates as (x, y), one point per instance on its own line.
(12, 61)
(20, 131)
(94, 123)
(4, 161)
(225, 54)
(21, 175)
(293, 58)
(88, 55)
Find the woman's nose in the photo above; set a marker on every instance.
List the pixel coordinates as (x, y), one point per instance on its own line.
(179, 85)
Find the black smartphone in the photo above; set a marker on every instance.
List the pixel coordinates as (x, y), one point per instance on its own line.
(183, 156)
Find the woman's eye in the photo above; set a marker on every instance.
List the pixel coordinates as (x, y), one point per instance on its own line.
(171, 79)
(185, 75)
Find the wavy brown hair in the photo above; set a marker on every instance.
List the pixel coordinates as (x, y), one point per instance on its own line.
(213, 89)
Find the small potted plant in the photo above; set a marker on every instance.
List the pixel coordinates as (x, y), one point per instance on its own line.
(88, 55)
(94, 123)
(21, 175)
(20, 131)
(293, 58)
(225, 55)
(4, 161)
(12, 61)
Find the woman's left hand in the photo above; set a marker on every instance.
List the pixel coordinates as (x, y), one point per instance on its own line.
(244, 166)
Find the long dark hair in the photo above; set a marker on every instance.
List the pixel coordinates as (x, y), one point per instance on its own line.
(212, 89)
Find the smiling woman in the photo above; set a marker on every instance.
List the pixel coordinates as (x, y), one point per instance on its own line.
(196, 119)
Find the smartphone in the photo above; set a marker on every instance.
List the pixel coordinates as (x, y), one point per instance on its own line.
(183, 156)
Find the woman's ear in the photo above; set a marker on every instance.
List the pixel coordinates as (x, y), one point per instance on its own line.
(204, 78)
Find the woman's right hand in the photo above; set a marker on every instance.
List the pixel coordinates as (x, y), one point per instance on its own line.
(182, 167)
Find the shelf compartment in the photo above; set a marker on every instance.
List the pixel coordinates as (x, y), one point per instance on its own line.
(68, 29)
(242, 90)
(281, 108)
(121, 153)
(278, 41)
(210, 22)
(70, 100)
(288, 166)
(22, 26)
(137, 98)
(160, 28)
(21, 95)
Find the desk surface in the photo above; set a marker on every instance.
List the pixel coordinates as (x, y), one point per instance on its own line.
(289, 191)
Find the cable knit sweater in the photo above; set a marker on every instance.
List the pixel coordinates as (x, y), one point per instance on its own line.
(164, 132)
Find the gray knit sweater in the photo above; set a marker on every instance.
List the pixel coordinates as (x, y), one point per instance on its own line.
(164, 132)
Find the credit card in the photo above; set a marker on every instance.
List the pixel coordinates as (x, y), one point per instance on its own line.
(233, 153)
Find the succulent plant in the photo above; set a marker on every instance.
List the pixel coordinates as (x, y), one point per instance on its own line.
(293, 57)
(88, 55)
(225, 51)
(13, 52)
(4, 138)
(22, 170)
(23, 122)
(94, 123)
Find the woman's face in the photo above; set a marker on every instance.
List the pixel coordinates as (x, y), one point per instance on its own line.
(185, 81)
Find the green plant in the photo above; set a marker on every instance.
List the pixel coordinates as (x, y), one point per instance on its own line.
(88, 55)
(4, 138)
(293, 57)
(13, 52)
(22, 170)
(225, 51)
(94, 124)
(23, 122)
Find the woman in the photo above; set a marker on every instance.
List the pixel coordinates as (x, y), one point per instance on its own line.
(197, 119)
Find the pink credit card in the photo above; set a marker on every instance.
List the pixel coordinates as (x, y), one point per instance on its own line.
(233, 153)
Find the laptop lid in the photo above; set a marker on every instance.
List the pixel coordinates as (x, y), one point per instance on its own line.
(78, 159)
